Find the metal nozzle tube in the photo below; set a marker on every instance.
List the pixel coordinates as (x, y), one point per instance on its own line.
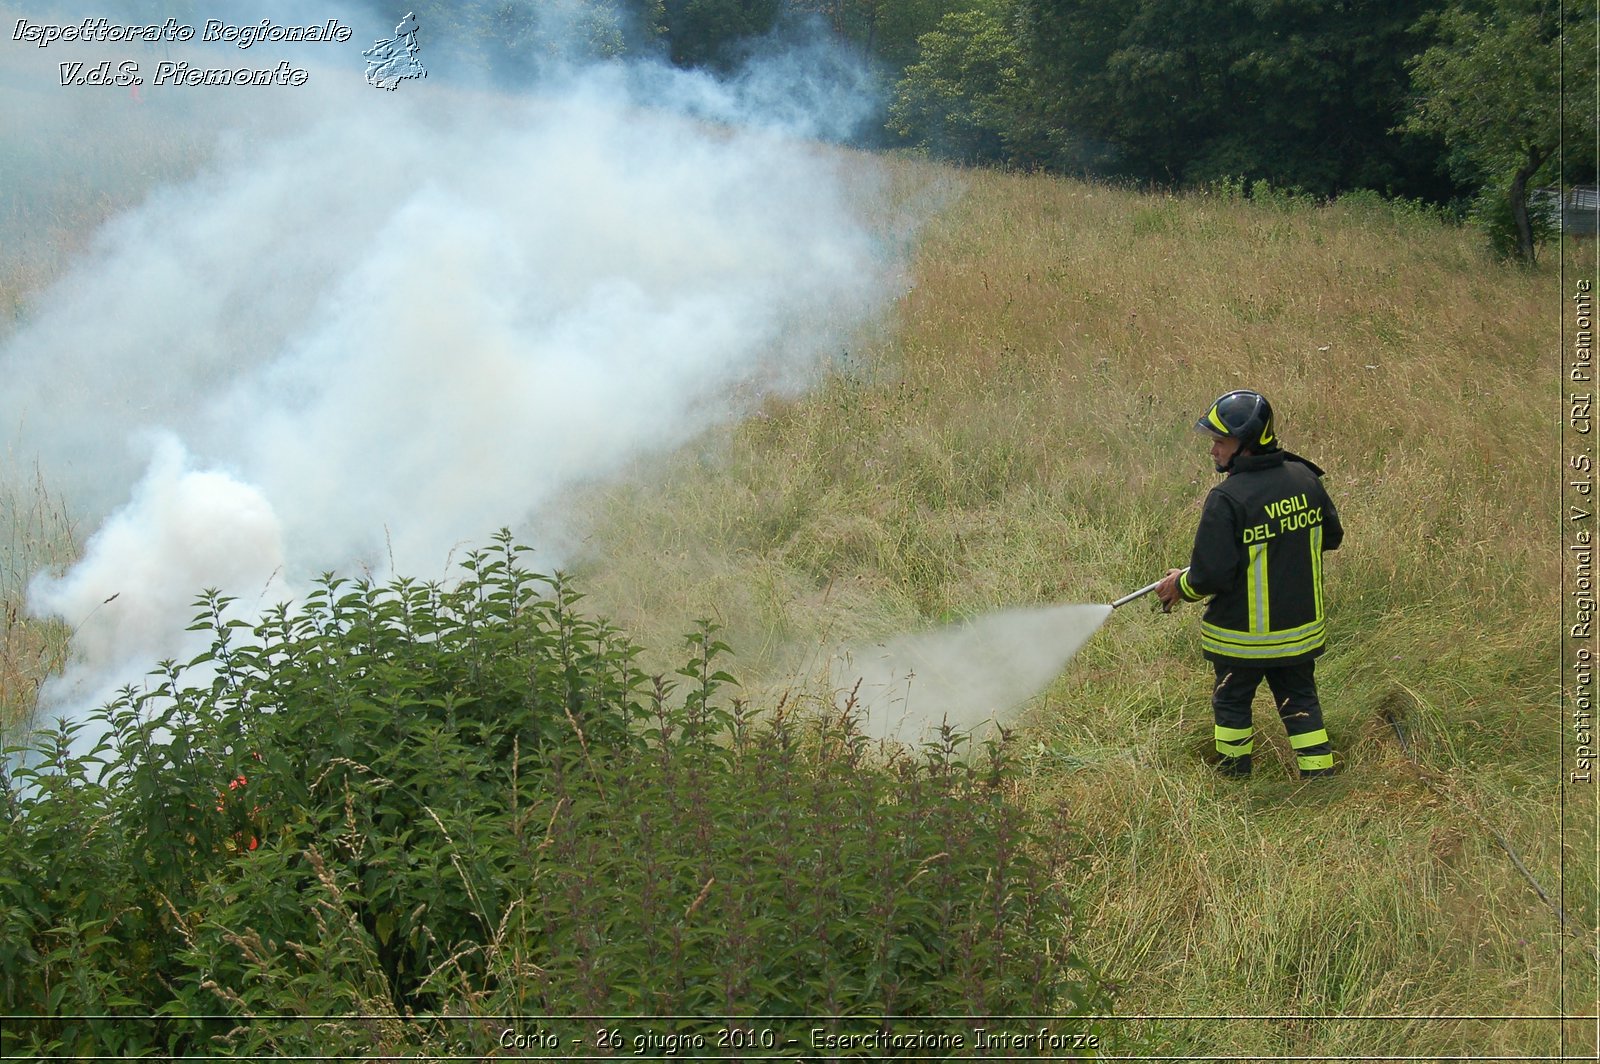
(1142, 592)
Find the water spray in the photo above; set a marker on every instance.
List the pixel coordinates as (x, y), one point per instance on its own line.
(969, 676)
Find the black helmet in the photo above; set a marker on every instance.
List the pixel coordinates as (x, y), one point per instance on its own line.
(1241, 415)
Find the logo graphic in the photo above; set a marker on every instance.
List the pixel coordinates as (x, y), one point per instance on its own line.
(392, 61)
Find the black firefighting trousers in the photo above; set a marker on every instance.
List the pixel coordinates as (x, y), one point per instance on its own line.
(1294, 692)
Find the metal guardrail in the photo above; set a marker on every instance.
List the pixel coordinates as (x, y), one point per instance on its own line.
(1576, 210)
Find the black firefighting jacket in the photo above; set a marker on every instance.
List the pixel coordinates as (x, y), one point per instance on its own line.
(1258, 553)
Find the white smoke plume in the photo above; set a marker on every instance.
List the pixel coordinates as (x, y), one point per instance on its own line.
(384, 324)
(207, 526)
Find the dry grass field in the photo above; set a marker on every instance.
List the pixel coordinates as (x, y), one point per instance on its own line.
(1020, 434)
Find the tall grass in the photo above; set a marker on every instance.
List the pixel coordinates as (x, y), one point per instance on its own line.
(1022, 435)
(38, 534)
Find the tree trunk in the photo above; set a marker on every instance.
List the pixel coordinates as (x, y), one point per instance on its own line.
(1519, 203)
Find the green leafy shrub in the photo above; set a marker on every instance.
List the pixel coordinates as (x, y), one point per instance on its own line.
(958, 101)
(393, 803)
(1363, 203)
(1492, 213)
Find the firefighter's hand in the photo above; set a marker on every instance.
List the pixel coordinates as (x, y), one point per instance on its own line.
(1167, 590)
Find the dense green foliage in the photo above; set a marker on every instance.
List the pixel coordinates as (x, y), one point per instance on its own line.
(1493, 87)
(708, 32)
(1441, 100)
(1299, 92)
(957, 98)
(410, 800)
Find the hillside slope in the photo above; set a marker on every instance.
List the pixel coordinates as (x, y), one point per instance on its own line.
(1020, 434)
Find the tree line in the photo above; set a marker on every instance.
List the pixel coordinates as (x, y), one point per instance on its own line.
(1470, 103)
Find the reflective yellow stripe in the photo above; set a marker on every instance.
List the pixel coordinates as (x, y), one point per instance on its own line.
(1211, 633)
(1264, 651)
(1212, 417)
(1314, 761)
(1310, 738)
(1187, 590)
(1256, 589)
(1234, 742)
(1316, 566)
(1233, 635)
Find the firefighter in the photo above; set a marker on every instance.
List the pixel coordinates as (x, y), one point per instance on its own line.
(1258, 556)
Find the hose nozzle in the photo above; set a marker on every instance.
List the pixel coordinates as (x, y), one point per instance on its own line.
(1142, 592)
